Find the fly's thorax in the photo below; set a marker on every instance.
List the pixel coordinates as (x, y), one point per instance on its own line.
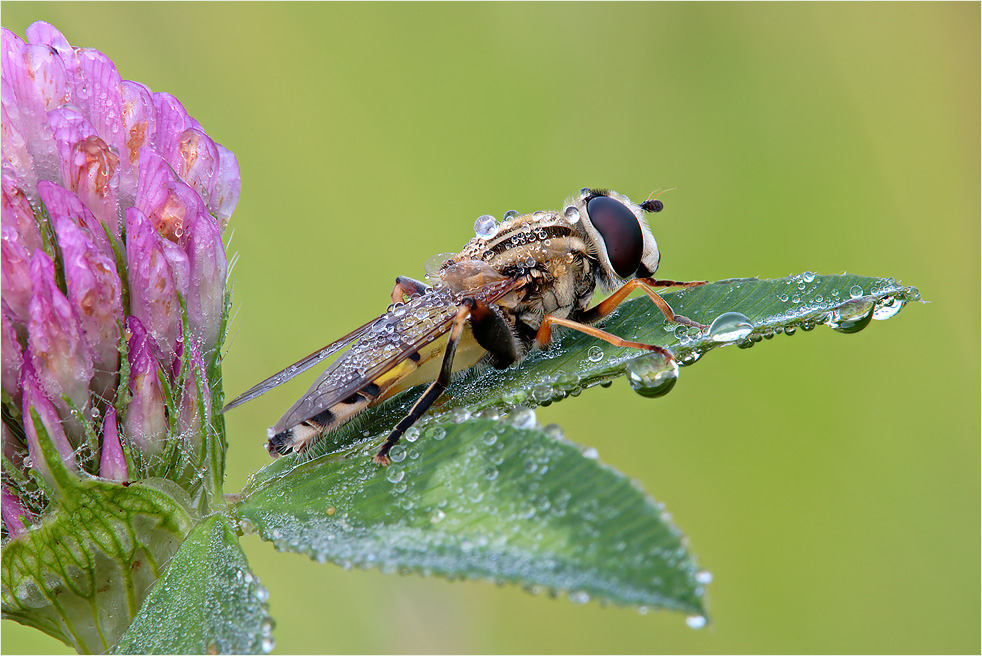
(616, 233)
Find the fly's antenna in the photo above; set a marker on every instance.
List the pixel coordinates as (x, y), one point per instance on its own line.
(652, 206)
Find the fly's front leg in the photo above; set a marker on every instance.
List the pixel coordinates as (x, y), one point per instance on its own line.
(406, 287)
(609, 304)
(435, 389)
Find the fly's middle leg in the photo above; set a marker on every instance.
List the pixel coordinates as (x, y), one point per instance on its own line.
(435, 389)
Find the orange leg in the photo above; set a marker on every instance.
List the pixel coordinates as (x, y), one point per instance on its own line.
(608, 305)
(406, 288)
(544, 335)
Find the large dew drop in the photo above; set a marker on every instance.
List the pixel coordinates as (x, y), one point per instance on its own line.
(730, 327)
(695, 621)
(485, 227)
(852, 316)
(888, 307)
(434, 263)
(652, 375)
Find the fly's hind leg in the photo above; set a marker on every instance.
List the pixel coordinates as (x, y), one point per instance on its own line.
(406, 287)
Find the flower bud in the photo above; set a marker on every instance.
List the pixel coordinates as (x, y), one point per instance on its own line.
(15, 275)
(58, 352)
(13, 512)
(206, 293)
(11, 354)
(94, 289)
(18, 213)
(146, 412)
(36, 400)
(112, 464)
(158, 278)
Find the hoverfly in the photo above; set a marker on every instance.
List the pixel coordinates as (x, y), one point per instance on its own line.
(492, 303)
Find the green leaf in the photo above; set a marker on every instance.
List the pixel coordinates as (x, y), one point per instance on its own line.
(206, 602)
(82, 574)
(484, 499)
(497, 501)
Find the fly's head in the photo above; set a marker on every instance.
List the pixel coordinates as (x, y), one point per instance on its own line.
(617, 233)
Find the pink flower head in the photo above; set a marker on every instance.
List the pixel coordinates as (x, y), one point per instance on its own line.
(113, 272)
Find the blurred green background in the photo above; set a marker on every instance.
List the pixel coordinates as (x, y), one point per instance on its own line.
(830, 483)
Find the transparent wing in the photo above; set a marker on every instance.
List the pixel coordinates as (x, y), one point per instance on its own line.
(298, 367)
(392, 338)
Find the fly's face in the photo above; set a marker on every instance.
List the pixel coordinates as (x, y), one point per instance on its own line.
(617, 234)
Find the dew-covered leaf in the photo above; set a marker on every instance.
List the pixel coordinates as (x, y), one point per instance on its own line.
(483, 499)
(594, 533)
(206, 602)
(746, 311)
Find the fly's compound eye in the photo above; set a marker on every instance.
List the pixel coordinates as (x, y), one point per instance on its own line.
(621, 233)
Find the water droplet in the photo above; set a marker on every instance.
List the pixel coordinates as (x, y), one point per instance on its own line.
(437, 516)
(590, 453)
(412, 434)
(523, 418)
(595, 354)
(460, 415)
(852, 316)
(695, 621)
(579, 597)
(485, 226)
(855, 291)
(542, 392)
(652, 375)
(730, 327)
(555, 431)
(438, 432)
(434, 263)
(572, 214)
(394, 474)
(704, 576)
(397, 454)
(808, 276)
(783, 298)
(262, 594)
(266, 626)
(267, 645)
(888, 307)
